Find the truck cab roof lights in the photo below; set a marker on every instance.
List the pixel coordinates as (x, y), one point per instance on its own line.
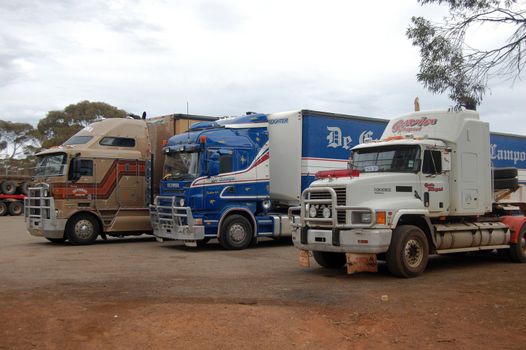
(327, 174)
(202, 139)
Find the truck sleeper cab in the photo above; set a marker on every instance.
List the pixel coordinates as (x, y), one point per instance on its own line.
(423, 189)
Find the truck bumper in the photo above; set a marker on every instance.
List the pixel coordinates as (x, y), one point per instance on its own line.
(174, 222)
(181, 233)
(40, 216)
(49, 228)
(369, 241)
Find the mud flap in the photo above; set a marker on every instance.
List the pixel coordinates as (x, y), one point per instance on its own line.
(361, 263)
(304, 258)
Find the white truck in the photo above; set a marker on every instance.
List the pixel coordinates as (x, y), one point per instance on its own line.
(427, 187)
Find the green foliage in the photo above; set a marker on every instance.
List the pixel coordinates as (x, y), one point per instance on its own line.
(449, 64)
(58, 126)
(16, 139)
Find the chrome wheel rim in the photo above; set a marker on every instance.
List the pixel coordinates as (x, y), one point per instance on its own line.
(237, 233)
(84, 229)
(523, 245)
(413, 253)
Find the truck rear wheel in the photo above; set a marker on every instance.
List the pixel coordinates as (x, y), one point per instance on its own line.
(518, 250)
(408, 252)
(236, 233)
(3, 209)
(330, 260)
(8, 187)
(16, 208)
(82, 229)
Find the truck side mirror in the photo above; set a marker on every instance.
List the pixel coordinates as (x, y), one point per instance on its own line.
(213, 164)
(74, 170)
(446, 161)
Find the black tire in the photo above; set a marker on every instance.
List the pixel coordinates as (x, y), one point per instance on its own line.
(16, 208)
(8, 187)
(82, 229)
(236, 233)
(408, 252)
(517, 251)
(56, 240)
(24, 188)
(504, 173)
(3, 209)
(330, 260)
(505, 184)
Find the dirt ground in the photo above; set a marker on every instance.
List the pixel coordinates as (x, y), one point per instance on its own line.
(137, 293)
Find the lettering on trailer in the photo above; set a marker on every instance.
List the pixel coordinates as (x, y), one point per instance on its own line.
(336, 139)
(506, 154)
(278, 121)
(412, 125)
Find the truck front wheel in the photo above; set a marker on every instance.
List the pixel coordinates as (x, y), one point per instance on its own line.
(330, 260)
(408, 252)
(518, 250)
(236, 233)
(82, 229)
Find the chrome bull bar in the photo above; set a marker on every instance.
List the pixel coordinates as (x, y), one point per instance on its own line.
(332, 203)
(173, 222)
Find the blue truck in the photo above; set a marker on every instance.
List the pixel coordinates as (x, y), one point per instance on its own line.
(234, 179)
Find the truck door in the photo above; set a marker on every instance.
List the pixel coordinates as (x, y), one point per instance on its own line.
(130, 184)
(435, 183)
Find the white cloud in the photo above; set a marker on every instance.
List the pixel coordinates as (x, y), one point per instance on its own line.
(224, 57)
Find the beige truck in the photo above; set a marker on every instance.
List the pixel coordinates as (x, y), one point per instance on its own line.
(99, 182)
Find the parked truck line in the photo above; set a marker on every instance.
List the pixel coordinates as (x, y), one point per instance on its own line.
(234, 179)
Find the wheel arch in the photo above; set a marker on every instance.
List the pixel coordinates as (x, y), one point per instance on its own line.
(421, 221)
(86, 212)
(240, 211)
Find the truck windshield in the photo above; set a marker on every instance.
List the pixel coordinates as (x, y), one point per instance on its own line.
(181, 165)
(387, 159)
(50, 165)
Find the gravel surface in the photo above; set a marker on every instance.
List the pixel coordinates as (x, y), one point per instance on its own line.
(136, 293)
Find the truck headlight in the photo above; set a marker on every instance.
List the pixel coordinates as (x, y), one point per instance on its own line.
(266, 204)
(313, 211)
(181, 202)
(366, 218)
(326, 212)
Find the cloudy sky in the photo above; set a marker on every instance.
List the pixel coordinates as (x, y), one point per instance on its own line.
(224, 58)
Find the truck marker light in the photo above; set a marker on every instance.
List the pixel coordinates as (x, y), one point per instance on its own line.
(200, 221)
(327, 174)
(363, 241)
(380, 217)
(202, 139)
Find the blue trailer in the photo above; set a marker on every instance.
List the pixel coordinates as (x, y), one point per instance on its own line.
(234, 179)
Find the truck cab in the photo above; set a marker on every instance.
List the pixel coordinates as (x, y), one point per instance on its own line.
(216, 171)
(82, 185)
(426, 187)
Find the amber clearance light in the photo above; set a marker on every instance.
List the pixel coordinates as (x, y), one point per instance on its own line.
(325, 174)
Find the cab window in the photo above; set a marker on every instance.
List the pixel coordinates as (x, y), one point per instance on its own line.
(117, 141)
(432, 162)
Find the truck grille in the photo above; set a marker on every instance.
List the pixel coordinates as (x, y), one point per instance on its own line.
(341, 197)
